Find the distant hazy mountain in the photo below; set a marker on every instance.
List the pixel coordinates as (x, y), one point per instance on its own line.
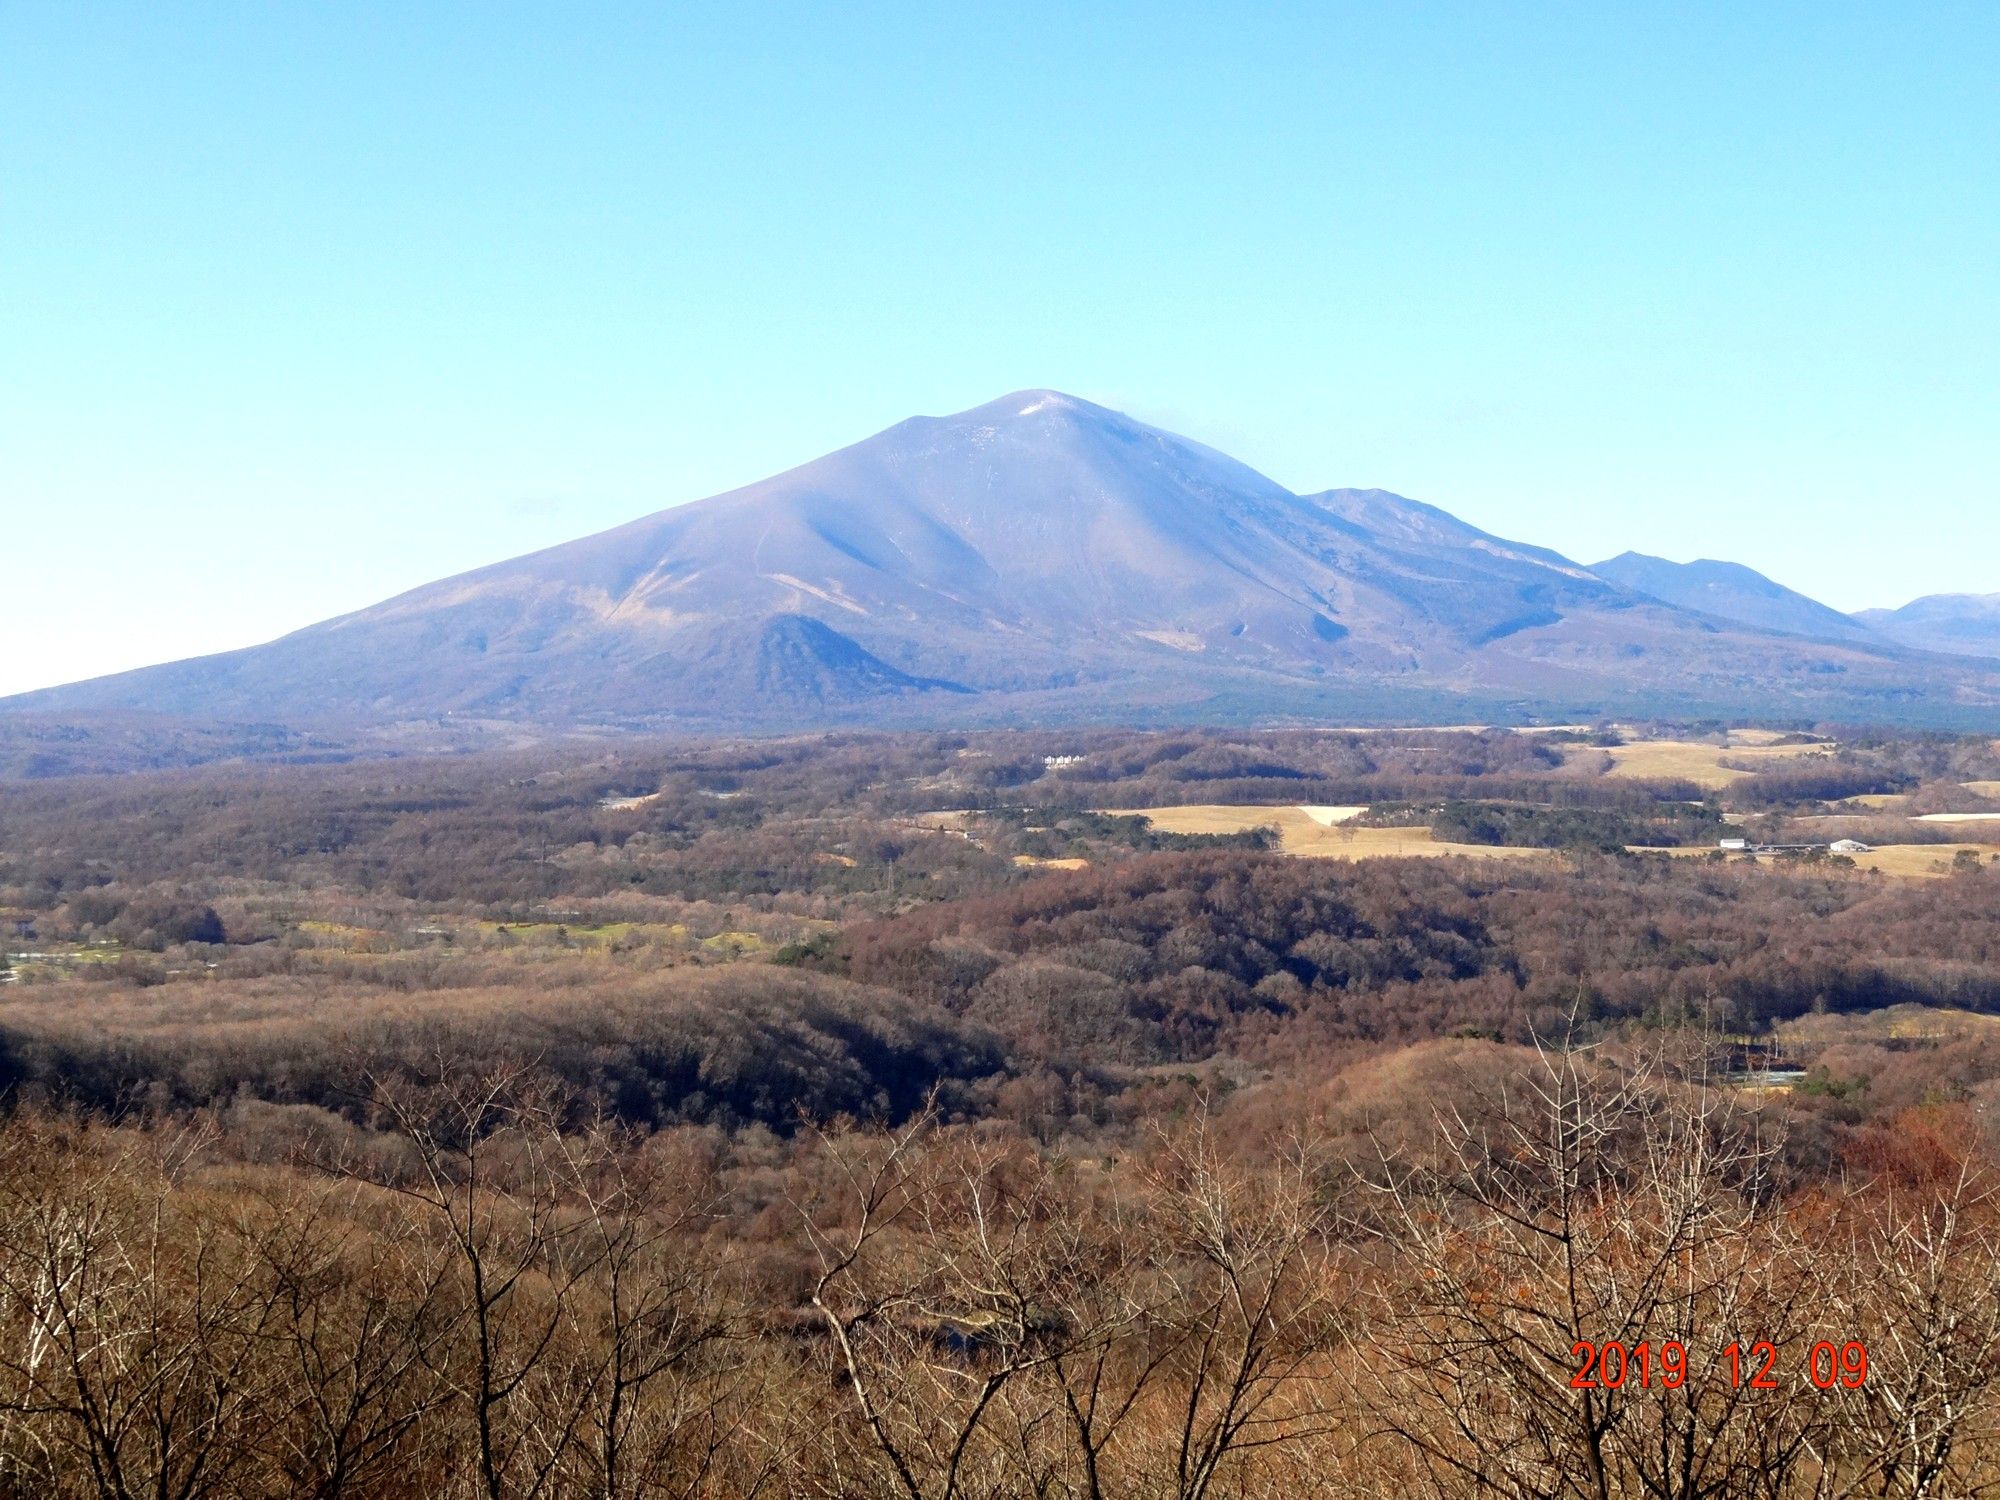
(1731, 591)
(1965, 624)
(1034, 557)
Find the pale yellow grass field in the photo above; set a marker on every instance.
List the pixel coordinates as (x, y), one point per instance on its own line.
(1303, 834)
(1921, 861)
(1326, 817)
(1916, 861)
(1698, 761)
(1903, 1022)
(1983, 788)
(1211, 818)
(1036, 862)
(1875, 800)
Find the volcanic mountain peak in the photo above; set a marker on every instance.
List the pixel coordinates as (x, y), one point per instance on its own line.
(1039, 554)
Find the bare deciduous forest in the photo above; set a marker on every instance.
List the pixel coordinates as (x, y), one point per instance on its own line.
(902, 1115)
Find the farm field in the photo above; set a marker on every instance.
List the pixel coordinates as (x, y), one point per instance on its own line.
(1700, 761)
(1309, 833)
(1919, 860)
(1895, 1023)
(1914, 861)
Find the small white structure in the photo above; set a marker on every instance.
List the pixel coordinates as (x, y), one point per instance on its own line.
(1054, 762)
(1848, 846)
(1734, 844)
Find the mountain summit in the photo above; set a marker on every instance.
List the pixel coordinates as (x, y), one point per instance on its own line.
(1038, 554)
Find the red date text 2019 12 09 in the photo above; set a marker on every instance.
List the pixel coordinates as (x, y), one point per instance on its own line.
(1612, 1365)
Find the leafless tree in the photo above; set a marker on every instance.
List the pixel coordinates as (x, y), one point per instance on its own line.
(1005, 1328)
(134, 1327)
(1592, 1205)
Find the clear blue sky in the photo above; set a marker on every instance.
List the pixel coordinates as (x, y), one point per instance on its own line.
(301, 305)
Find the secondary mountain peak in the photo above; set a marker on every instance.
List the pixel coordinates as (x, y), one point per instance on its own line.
(1730, 591)
(1962, 624)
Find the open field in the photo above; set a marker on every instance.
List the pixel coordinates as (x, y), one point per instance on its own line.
(1920, 860)
(1701, 762)
(1326, 817)
(1893, 1023)
(1301, 832)
(1983, 788)
(1974, 827)
(1917, 861)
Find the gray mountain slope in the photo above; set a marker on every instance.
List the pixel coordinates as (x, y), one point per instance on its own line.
(1730, 591)
(1963, 624)
(1038, 556)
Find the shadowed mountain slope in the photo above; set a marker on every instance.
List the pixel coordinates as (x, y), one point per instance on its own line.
(1038, 555)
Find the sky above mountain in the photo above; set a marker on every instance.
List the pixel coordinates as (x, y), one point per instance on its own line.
(303, 307)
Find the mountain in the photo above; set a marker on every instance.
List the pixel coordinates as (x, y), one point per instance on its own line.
(1040, 557)
(1730, 591)
(1964, 624)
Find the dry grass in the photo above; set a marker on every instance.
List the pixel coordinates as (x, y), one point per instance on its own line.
(1701, 762)
(1903, 1023)
(1916, 861)
(1877, 800)
(1378, 843)
(1302, 833)
(1921, 861)
(1983, 788)
(1215, 818)
(1036, 862)
(1326, 817)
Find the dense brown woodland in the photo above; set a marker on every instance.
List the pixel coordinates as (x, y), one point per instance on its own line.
(900, 1116)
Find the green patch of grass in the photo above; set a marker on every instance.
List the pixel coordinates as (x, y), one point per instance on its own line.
(584, 934)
